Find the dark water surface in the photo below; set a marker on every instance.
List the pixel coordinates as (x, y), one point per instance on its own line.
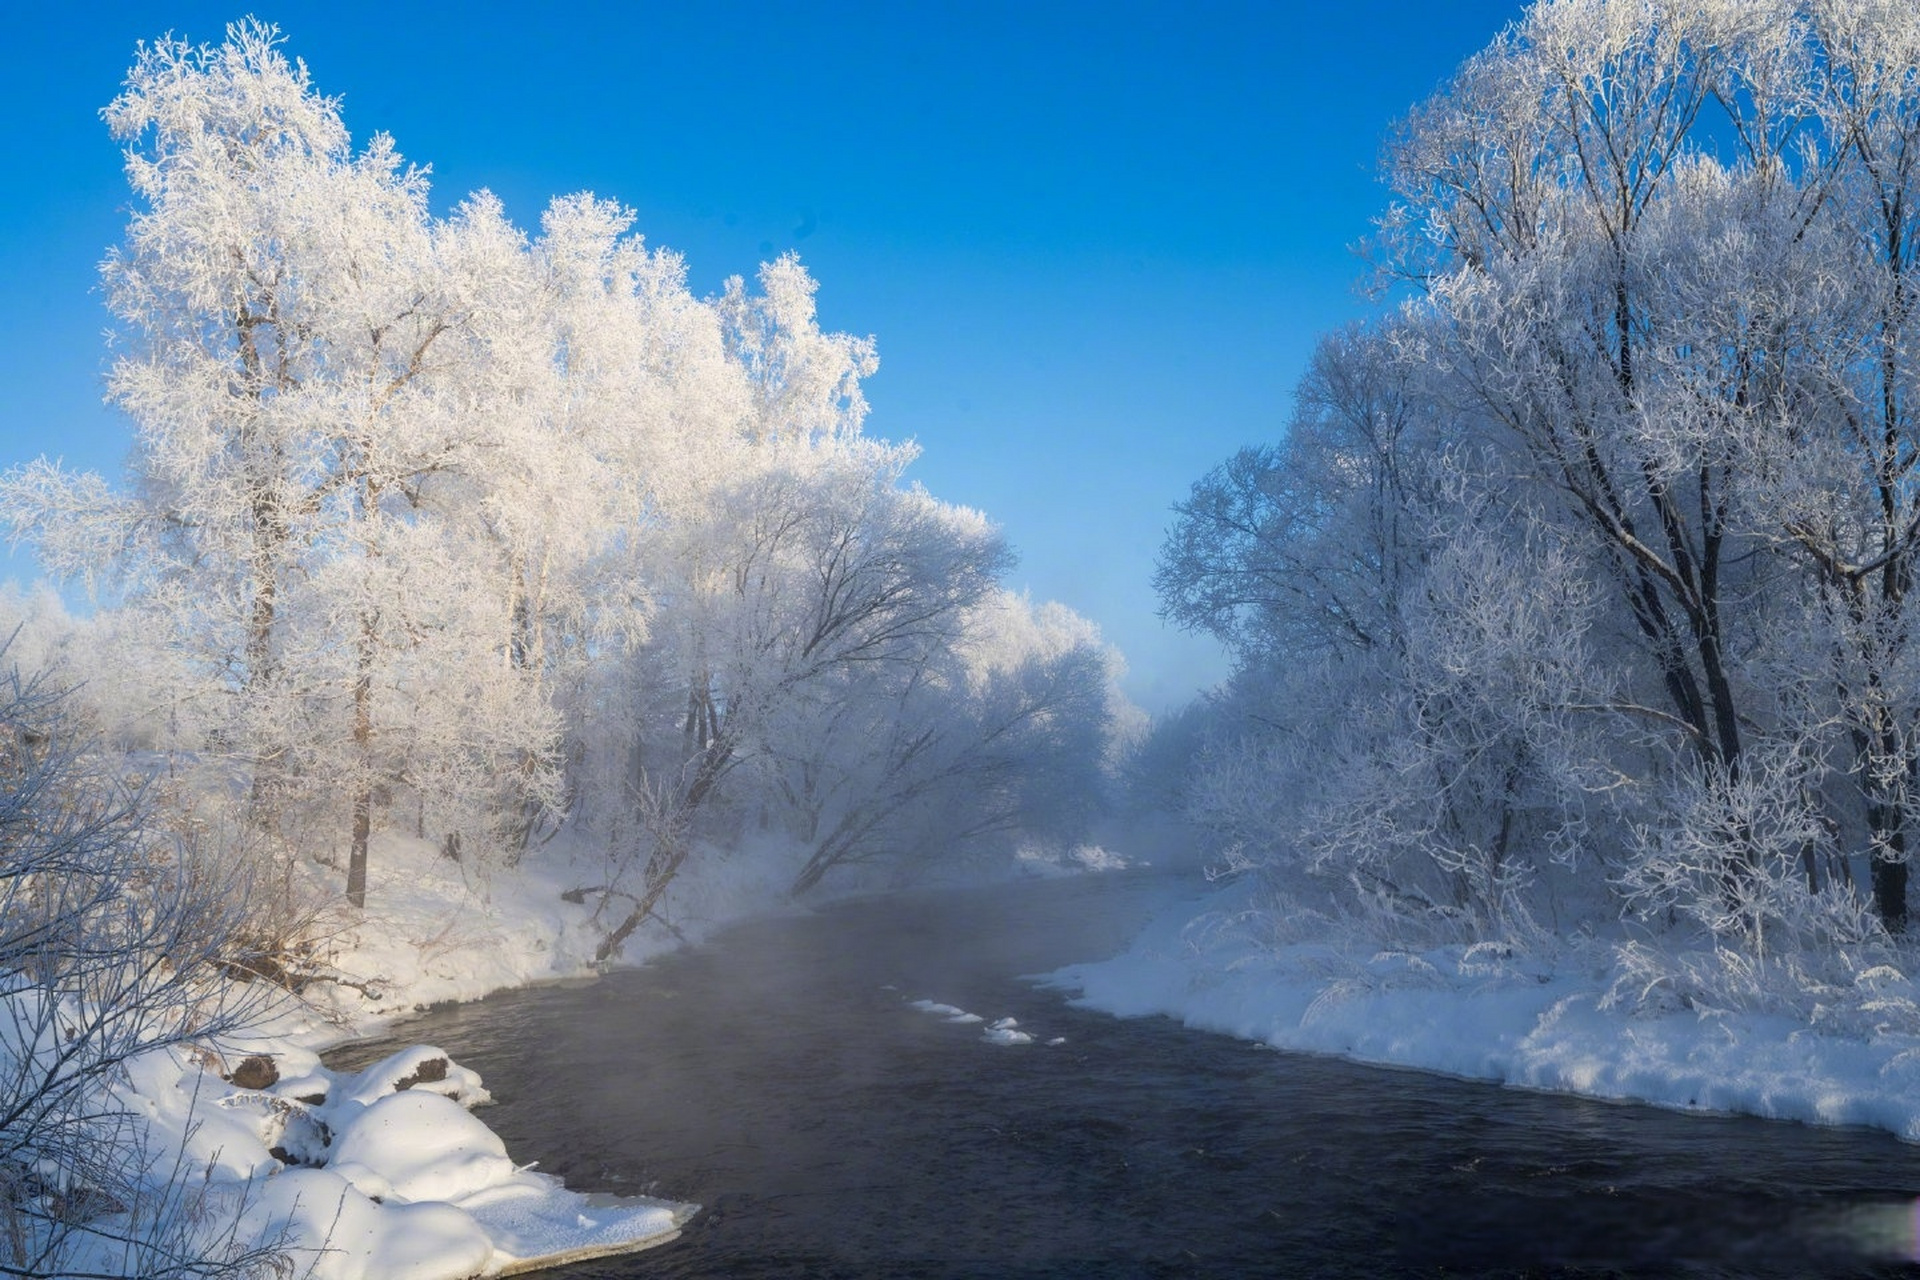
(780, 1077)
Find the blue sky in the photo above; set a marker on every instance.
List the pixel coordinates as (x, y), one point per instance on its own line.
(1095, 242)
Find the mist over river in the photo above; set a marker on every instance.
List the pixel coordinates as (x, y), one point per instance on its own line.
(782, 1076)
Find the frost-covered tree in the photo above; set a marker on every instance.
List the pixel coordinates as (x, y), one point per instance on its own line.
(115, 934)
(1662, 251)
(1295, 550)
(285, 313)
(801, 585)
(1649, 595)
(488, 536)
(1004, 729)
(311, 361)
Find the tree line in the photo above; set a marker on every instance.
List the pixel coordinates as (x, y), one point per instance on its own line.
(437, 526)
(1582, 583)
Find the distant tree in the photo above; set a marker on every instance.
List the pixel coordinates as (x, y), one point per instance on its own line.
(802, 576)
(1299, 549)
(1002, 729)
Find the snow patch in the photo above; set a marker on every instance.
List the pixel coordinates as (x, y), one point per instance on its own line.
(1046, 860)
(952, 1013)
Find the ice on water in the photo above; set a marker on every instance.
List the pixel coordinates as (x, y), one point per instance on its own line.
(1002, 1031)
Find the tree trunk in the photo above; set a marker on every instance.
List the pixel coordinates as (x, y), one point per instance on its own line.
(269, 535)
(357, 854)
(1889, 867)
(363, 749)
(673, 841)
(363, 717)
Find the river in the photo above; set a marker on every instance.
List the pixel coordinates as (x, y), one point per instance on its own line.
(781, 1076)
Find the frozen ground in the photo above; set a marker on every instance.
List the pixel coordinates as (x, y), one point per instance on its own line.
(1487, 1013)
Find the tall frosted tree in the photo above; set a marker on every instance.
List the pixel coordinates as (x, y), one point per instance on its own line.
(1664, 251)
(290, 329)
(282, 298)
(485, 534)
(1649, 593)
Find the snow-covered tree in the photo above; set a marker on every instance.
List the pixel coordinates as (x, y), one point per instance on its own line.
(311, 360)
(487, 536)
(1005, 729)
(1655, 359)
(1663, 250)
(286, 315)
(115, 934)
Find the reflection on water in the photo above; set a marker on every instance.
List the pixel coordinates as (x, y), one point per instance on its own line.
(783, 1077)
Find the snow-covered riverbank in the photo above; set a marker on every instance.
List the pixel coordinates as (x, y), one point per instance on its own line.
(1490, 1013)
(379, 1173)
(407, 1184)
(384, 1173)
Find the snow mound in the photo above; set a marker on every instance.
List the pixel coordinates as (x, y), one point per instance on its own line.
(420, 1069)
(952, 1013)
(334, 1232)
(416, 1146)
(380, 1174)
(1006, 1031)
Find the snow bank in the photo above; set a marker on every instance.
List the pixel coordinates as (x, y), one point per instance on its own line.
(1478, 1013)
(1047, 861)
(384, 1174)
(378, 1175)
(436, 930)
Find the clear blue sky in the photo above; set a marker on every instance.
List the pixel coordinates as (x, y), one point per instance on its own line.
(1095, 241)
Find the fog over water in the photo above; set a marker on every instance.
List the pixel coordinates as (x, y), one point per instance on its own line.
(783, 1078)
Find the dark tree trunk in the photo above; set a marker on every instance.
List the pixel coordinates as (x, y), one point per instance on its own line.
(1890, 889)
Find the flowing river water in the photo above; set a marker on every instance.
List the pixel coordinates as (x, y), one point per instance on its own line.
(781, 1076)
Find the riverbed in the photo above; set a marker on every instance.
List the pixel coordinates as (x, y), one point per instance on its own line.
(809, 1079)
